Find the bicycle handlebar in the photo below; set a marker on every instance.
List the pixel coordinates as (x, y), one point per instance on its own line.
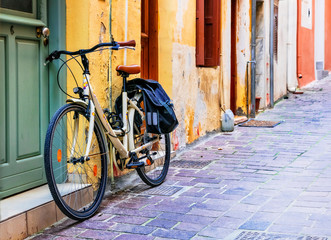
(130, 43)
(114, 46)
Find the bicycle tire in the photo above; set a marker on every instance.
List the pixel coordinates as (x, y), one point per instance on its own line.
(77, 185)
(154, 174)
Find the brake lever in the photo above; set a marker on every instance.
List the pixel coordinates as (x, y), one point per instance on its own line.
(127, 47)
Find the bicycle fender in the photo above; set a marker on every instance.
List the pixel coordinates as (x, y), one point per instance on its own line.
(78, 101)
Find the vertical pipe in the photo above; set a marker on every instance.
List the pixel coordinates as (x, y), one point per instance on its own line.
(126, 27)
(271, 52)
(253, 57)
(110, 54)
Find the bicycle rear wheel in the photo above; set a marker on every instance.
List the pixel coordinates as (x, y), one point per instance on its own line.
(159, 154)
(76, 184)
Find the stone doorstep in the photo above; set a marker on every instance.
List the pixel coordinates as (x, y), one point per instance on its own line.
(27, 213)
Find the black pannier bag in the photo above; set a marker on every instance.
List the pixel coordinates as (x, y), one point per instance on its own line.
(159, 110)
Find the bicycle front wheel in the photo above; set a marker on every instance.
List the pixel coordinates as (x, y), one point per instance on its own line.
(77, 184)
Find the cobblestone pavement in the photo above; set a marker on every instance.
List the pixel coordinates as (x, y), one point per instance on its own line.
(253, 183)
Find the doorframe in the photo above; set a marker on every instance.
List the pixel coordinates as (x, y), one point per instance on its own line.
(233, 84)
(56, 10)
(153, 63)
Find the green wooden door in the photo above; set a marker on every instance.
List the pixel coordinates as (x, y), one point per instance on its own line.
(24, 106)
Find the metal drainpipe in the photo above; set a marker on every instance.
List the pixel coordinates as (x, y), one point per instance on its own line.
(271, 52)
(110, 54)
(253, 59)
(111, 155)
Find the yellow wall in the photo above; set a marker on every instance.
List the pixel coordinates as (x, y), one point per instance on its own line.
(197, 93)
(118, 19)
(88, 25)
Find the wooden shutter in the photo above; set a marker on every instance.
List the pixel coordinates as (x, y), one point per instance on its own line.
(212, 32)
(200, 34)
(208, 33)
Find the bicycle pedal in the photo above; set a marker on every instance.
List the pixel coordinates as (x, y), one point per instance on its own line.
(134, 165)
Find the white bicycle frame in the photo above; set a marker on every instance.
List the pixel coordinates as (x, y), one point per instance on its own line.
(125, 148)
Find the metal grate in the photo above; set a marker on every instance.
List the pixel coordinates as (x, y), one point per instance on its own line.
(160, 190)
(246, 235)
(260, 123)
(189, 164)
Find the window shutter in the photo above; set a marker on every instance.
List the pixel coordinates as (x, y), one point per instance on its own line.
(212, 32)
(200, 41)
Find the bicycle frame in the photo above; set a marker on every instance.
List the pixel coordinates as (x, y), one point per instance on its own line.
(126, 148)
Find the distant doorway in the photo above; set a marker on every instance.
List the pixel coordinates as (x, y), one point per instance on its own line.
(233, 92)
(149, 39)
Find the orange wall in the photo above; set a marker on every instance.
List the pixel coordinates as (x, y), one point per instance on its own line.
(306, 49)
(327, 65)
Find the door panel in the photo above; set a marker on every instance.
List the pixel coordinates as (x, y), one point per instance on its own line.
(24, 105)
(28, 104)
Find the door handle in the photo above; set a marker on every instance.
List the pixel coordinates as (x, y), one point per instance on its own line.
(43, 31)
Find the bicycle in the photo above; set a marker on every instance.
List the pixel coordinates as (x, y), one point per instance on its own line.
(82, 139)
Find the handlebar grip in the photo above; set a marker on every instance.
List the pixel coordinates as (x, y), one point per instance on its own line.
(130, 43)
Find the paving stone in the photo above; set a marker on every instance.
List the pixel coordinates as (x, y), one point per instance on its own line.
(133, 237)
(162, 223)
(98, 234)
(134, 229)
(262, 184)
(174, 234)
(255, 225)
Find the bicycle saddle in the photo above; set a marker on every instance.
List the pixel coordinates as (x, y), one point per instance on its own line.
(132, 69)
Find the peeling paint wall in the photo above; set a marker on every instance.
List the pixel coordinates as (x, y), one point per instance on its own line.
(243, 33)
(118, 22)
(197, 93)
(88, 25)
(280, 65)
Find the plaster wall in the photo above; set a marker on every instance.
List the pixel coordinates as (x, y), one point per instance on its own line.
(319, 31)
(327, 41)
(88, 25)
(243, 54)
(197, 93)
(124, 27)
(280, 65)
(306, 44)
(261, 51)
(292, 81)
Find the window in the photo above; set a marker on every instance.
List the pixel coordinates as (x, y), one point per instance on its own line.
(208, 33)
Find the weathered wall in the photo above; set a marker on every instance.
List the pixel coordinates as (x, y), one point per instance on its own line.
(243, 54)
(88, 25)
(327, 64)
(261, 51)
(292, 81)
(195, 91)
(125, 25)
(280, 64)
(225, 53)
(305, 46)
(319, 33)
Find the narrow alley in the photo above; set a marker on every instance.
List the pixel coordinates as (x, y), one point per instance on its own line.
(253, 183)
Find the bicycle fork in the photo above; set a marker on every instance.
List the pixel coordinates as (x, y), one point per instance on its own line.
(91, 113)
